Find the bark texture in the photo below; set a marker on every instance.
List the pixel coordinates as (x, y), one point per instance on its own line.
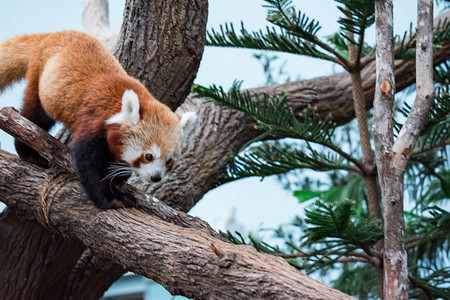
(161, 43)
(18, 258)
(184, 255)
(216, 135)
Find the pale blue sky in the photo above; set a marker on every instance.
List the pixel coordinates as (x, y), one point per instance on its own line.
(257, 202)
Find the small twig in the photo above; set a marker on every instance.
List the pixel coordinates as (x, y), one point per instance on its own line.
(219, 252)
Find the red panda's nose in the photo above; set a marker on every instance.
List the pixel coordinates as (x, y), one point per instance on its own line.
(155, 178)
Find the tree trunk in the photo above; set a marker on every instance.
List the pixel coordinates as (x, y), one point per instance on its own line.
(392, 157)
(167, 39)
(20, 265)
(216, 135)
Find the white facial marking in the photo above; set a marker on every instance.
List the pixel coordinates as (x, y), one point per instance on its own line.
(155, 168)
(131, 153)
(130, 110)
(156, 151)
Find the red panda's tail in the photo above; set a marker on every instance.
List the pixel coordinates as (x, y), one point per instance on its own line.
(14, 57)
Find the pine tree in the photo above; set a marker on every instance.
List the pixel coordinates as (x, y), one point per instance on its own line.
(344, 227)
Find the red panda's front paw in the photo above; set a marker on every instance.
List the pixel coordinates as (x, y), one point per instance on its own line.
(112, 204)
(128, 200)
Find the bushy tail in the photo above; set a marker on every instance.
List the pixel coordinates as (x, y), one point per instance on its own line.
(14, 57)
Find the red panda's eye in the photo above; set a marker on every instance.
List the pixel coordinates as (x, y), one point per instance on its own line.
(149, 157)
(169, 161)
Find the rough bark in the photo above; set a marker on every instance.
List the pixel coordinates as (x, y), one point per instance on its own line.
(17, 258)
(161, 43)
(90, 277)
(22, 242)
(219, 133)
(181, 252)
(384, 113)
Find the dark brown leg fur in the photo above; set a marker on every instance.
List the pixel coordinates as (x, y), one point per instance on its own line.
(33, 111)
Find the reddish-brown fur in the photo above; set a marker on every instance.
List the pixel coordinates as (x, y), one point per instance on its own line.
(78, 82)
(73, 79)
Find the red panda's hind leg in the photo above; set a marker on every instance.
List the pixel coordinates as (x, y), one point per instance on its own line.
(33, 111)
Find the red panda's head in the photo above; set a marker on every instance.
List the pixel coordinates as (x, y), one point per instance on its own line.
(147, 136)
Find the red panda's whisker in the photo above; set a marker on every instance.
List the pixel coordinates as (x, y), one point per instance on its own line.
(118, 169)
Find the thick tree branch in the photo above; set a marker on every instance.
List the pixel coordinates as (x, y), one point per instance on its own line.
(165, 245)
(219, 133)
(34, 136)
(167, 39)
(96, 22)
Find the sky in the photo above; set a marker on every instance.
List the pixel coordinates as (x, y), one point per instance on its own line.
(257, 203)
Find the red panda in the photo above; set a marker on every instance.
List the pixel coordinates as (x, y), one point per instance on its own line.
(118, 127)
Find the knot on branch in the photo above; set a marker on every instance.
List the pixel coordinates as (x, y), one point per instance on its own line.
(224, 260)
(52, 186)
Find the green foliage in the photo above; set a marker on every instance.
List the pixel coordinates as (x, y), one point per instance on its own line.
(333, 225)
(337, 232)
(405, 46)
(428, 239)
(441, 75)
(266, 159)
(284, 15)
(273, 112)
(353, 189)
(358, 15)
(436, 284)
(271, 39)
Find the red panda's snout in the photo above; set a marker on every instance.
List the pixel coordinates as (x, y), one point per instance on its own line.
(154, 166)
(150, 164)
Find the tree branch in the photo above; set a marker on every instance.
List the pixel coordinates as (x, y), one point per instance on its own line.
(162, 244)
(35, 137)
(169, 51)
(410, 131)
(179, 258)
(96, 22)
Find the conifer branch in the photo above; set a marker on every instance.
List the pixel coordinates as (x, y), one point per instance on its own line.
(285, 17)
(277, 119)
(270, 40)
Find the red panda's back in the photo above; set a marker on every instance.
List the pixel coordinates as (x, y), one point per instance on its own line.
(67, 65)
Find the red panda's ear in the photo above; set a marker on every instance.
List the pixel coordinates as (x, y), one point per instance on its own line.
(130, 110)
(187, 119)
